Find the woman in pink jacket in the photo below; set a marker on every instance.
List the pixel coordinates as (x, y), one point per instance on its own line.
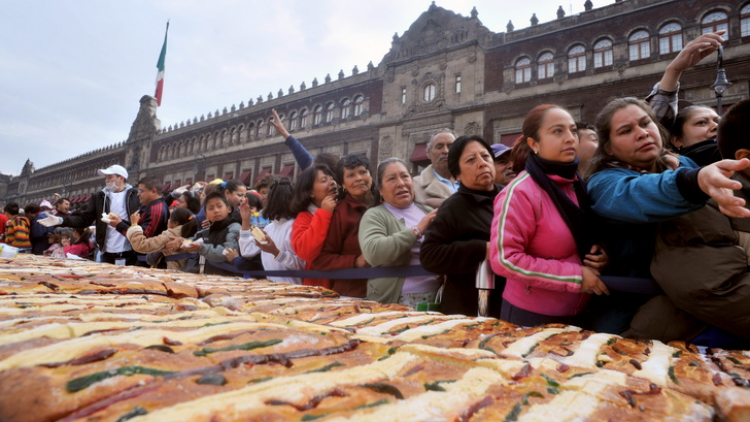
(539, 240)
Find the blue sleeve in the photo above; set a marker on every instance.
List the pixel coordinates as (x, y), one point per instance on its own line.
(201, 216)
(38, 230)
(301, 156)
(630, 197)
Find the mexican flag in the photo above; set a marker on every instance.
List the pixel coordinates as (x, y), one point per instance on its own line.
(160, 69)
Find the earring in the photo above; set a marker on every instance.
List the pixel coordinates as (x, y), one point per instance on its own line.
(536, 152)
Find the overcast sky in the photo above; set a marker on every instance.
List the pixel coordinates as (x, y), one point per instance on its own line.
(72, 72)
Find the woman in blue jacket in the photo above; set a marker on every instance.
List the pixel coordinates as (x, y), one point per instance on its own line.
(635, 184)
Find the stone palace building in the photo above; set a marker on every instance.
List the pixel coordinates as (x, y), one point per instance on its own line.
(446, 70)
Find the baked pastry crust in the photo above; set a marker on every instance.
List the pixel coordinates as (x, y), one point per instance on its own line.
(92, 342)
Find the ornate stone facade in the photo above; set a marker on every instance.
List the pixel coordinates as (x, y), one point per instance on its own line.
(445, 71)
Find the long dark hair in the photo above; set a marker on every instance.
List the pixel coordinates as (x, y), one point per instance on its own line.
(232, 185)
(303, 189)
(183, 217)
(193, 201)
(602, 158)
(280, 194)
(84, 235)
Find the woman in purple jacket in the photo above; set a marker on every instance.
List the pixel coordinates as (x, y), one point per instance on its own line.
(539, 241)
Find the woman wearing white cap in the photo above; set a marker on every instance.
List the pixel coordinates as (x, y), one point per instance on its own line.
(117, 200)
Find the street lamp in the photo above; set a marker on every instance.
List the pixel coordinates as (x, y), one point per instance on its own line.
(722, 83)
(65, 183)
(196, 169)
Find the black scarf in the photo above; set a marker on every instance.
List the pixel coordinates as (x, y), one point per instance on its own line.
(575, 216)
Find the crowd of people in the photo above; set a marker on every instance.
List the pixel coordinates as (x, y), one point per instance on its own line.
(636, 225)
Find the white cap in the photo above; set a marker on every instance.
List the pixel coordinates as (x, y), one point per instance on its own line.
(46, 205)
(114, 169)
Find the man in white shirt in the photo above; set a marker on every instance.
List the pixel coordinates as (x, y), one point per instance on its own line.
(118, 198)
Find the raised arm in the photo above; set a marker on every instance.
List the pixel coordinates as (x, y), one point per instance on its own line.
(301, 155)
(663, 98)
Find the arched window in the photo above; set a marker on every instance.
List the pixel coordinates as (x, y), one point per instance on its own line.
(576, 59)
(317, 115)
(303, 118)
(250, 130)
(329, 112)
(603, 53)
(670, 38)
(358, 105)
(259, 132)
(639, 46)
(745, 21)
(715, 21)
(429, 92)
(271, 129)
(293, 120)
(523, 70)
(546, 66)
(345, 109)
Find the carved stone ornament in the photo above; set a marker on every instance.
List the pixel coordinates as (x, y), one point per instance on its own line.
(385, 149)
(473, 128)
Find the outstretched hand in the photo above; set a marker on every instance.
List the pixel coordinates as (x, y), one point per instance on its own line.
(715, 181)
(51, 221)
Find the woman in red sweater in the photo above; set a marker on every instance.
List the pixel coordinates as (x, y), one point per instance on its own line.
(341, 247)
(314, 201)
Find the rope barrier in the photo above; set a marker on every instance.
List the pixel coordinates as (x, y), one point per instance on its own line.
(643, 286)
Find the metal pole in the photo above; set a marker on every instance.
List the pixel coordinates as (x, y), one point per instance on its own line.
(718, 104)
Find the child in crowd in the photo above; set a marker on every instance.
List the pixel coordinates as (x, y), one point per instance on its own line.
(204, 192)
(314, 202)
(222, 234)
(277, 250)
(55, 249)
(81, 246)
(181, 223)
(256, 203)
(18, 228)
